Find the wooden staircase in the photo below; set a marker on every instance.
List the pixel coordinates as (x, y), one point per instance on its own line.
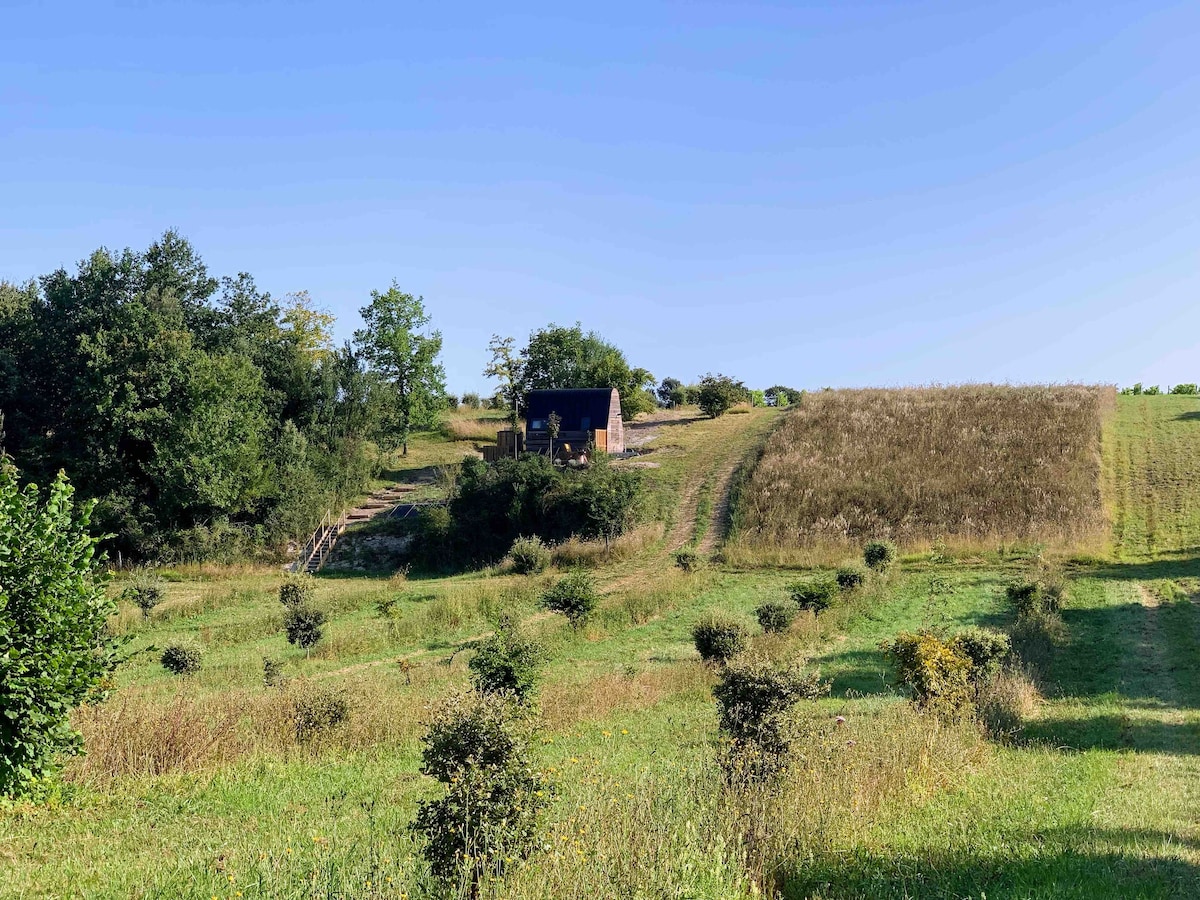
(316, 551)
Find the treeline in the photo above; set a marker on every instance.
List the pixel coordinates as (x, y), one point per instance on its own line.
(1154, 390)
(207, 418)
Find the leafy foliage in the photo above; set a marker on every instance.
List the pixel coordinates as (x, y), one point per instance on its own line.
(688, 560)
(303, 625)
(814, 595)
(985, 648)
(1036, 597)
(529, 556)
(507, 663)
(754, 700)
(715, 394)
(317, 709)
(879, 555)
(182, 659)
(938, 672)
(775, 617)
(494, 797)
(850, 578)
(57, 650)
(718, 638)
(146, 591)
(574, 595)
(296, 590)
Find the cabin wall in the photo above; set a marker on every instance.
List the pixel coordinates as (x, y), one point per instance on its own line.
(616, 428)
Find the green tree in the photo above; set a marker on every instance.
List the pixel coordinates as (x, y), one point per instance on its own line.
(56, 647)
(717, 393)
(509, 368)
(407, 359)
(559, 357)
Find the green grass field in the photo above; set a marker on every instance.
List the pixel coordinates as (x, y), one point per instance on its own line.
(192, 790)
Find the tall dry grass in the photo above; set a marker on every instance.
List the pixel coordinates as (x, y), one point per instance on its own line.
(968, 464)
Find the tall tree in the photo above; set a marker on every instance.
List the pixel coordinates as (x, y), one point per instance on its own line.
(508, 366)
(405, 358)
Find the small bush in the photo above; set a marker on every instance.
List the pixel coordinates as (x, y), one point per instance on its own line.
(937, 672)
(296, 590)
(303, 625)
(182, 659)
(574, 595)
(387, 607)
(813, 595)
(272, 672)
(850, 578)
(318, 709)
(987, 650)
(754, 701)
(718, 638)
(1004, 701)
(529, 556)
(1184, 389)
(775, 617)
(1037, 597)
(471, 400)
(507, 663)
(489, 816)
(879, 555)
(688, 560)
(717, 393)
(146, 591)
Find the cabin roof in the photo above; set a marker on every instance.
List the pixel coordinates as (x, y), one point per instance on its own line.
(572, 405)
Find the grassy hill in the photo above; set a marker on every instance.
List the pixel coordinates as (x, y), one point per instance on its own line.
(199, 787)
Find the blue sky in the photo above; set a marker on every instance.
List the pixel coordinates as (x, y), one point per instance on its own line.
(841, 193)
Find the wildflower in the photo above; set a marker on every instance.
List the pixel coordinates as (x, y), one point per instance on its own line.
(624, 731)
(851, 743)
(840, 720)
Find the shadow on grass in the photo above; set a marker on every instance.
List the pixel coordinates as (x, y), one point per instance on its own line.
(1190, 416)
(1113, 732)
(1184, 564)
(1053, 864)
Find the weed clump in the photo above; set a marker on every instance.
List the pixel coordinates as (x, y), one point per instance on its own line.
(879, 555)
(775, 617)
(317, 710)
(574, 595)
(272, 672)
(182, 659)
(529, 556)
(507, 663)
(688, 560)
(718, 638)
(1037, 597)
(477, 747)
(146, 591)
(813, 595)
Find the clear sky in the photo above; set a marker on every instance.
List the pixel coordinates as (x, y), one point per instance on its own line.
(838, 193)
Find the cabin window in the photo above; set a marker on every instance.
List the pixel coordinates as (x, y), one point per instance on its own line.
(585, 424)
(537, 425)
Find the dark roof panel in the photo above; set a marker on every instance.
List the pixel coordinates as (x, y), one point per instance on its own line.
(572, 405)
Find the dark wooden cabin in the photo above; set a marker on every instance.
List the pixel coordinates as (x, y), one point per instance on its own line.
(590, 416)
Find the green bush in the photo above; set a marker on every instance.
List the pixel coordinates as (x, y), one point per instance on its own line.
(775, 617)
(182, 659)
(57, 651)
(146, 591)
(507, 663)
(488, 818)
(296, 590)
(1184, 389)
(303, 626)
(986, 649)
(529, 556)
(754, 700)
(936, 671)
(574, 595)
(879, 555)
(317, 709)
(718, 638)
(272, 672)
(850, 578)
(813, 595)
(1031, 598)
(471, 400)
(688, 560)
(715, 394)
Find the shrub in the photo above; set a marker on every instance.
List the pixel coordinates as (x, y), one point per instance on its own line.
(718, 638)
(754, 701)
(850, 578)
(813, 595)
(879, 555)
(182, 659)
(986, 649)
(775, 617)
(574, 595)
(318, 709)
(386, 607)
(937, 673)
(1032, 598)
(296, 590)
(494, 796)
(58, 651)
(529, 556)
(1184, 389)
(471, 400)
(688, 560)
(507, 663)
(303, 626)
(1004, 700)
(717, 393)
(272, 672)
(146, 591)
